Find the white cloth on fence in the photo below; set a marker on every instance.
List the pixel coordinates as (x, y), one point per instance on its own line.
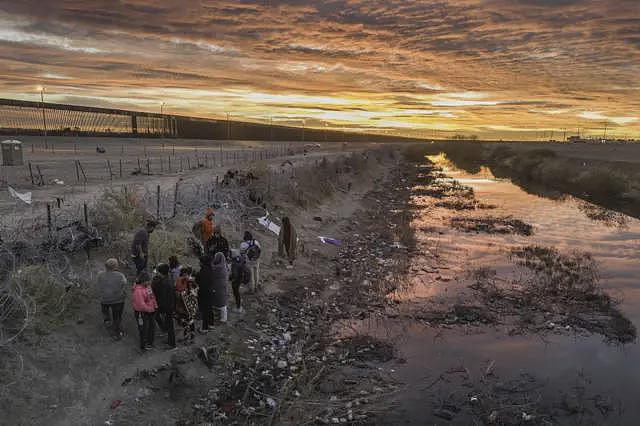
(269, 224)
(25, 197)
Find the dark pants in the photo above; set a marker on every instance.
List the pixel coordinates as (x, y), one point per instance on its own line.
(206, 312)
(235, 285)
(166, 322)
(112, 312)
(141, 263)
(146, 327)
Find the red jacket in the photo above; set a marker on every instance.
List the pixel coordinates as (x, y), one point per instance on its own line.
(143, 299)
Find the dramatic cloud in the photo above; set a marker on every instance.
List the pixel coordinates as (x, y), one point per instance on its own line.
(496, 68)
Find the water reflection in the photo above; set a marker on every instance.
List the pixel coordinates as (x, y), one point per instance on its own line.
(440, 275)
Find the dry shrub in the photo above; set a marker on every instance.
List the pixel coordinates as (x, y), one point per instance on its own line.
(42, 299)
(116, 213)
(163, 244)
(601, 184)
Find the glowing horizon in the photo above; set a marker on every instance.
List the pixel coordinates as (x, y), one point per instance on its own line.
(497, 69)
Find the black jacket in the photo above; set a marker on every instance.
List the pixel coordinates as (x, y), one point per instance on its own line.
(164, 292)
(204, 279)
(218, 244)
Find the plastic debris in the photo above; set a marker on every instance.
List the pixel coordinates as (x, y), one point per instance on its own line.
(269, 224)
(328, 240)
(25, 197)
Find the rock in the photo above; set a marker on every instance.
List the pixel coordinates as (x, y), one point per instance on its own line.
(443, 413)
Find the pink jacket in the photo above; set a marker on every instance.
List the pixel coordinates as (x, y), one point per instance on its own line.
(143, 299)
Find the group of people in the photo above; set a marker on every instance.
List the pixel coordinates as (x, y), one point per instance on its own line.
(175, 293)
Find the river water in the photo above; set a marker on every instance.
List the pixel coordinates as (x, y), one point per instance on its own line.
(585, 367)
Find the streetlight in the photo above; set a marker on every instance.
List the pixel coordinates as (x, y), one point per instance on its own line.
(44, 117)
(228, 126)
(303, 123)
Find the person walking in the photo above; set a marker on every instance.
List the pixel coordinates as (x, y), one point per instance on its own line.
(287, 240)
(204, 280)
(239, 275)
(111, 287)
(140, 246)
(250, 250)
(218, 244)
(220, 279)
(165, 295)
(144, 308)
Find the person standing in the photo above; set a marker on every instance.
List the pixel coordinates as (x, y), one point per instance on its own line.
(250, 249)
(220, 279)
(186, 303)
(203, 230)
(166, 297)
(144, 308)
(140, 246)
(111, 287)
(174, 269)
(287, 240)
(204, 280)
(218, 244)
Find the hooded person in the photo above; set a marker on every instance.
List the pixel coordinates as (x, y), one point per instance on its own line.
(204, 281)
(203, 230)
(250, 250)
(218, 244)
(144, 308)
(111, 287)
(220, 279)
(239, 275)
(164, 292)
(287, 240)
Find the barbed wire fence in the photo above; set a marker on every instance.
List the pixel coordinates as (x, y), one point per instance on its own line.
(46, 260)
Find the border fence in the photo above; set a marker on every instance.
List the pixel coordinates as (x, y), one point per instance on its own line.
(43, 118)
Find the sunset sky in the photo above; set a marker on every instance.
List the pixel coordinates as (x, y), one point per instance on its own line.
(512, 69)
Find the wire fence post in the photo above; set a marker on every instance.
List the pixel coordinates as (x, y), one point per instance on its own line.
(158, 202)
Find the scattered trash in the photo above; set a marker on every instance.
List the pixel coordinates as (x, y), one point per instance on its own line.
(58, 181)
(25, 197)
(317, 218)
(269, 224)
(115, 403)
(328, 240)
(398, 245)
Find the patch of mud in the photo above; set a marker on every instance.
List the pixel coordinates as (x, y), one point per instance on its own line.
(492, 225)
(555, 292)
(464, 204)
(366, 349)
(483, 397)
(610, 218)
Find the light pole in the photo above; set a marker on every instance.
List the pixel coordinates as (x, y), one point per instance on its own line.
(228, 126)
(44, 117)
(303, 123)
(271, 128)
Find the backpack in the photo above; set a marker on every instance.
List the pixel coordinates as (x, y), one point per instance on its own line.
(253, 252)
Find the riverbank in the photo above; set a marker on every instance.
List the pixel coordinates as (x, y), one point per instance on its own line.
(262, 365)
(600, 174)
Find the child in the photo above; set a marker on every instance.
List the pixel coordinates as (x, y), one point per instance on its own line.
(186, 302)
(144, 308)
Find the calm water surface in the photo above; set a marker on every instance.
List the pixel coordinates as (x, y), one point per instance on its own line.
(561, 361)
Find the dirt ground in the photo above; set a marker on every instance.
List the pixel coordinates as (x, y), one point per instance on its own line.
(143, 161)
(83, 377)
